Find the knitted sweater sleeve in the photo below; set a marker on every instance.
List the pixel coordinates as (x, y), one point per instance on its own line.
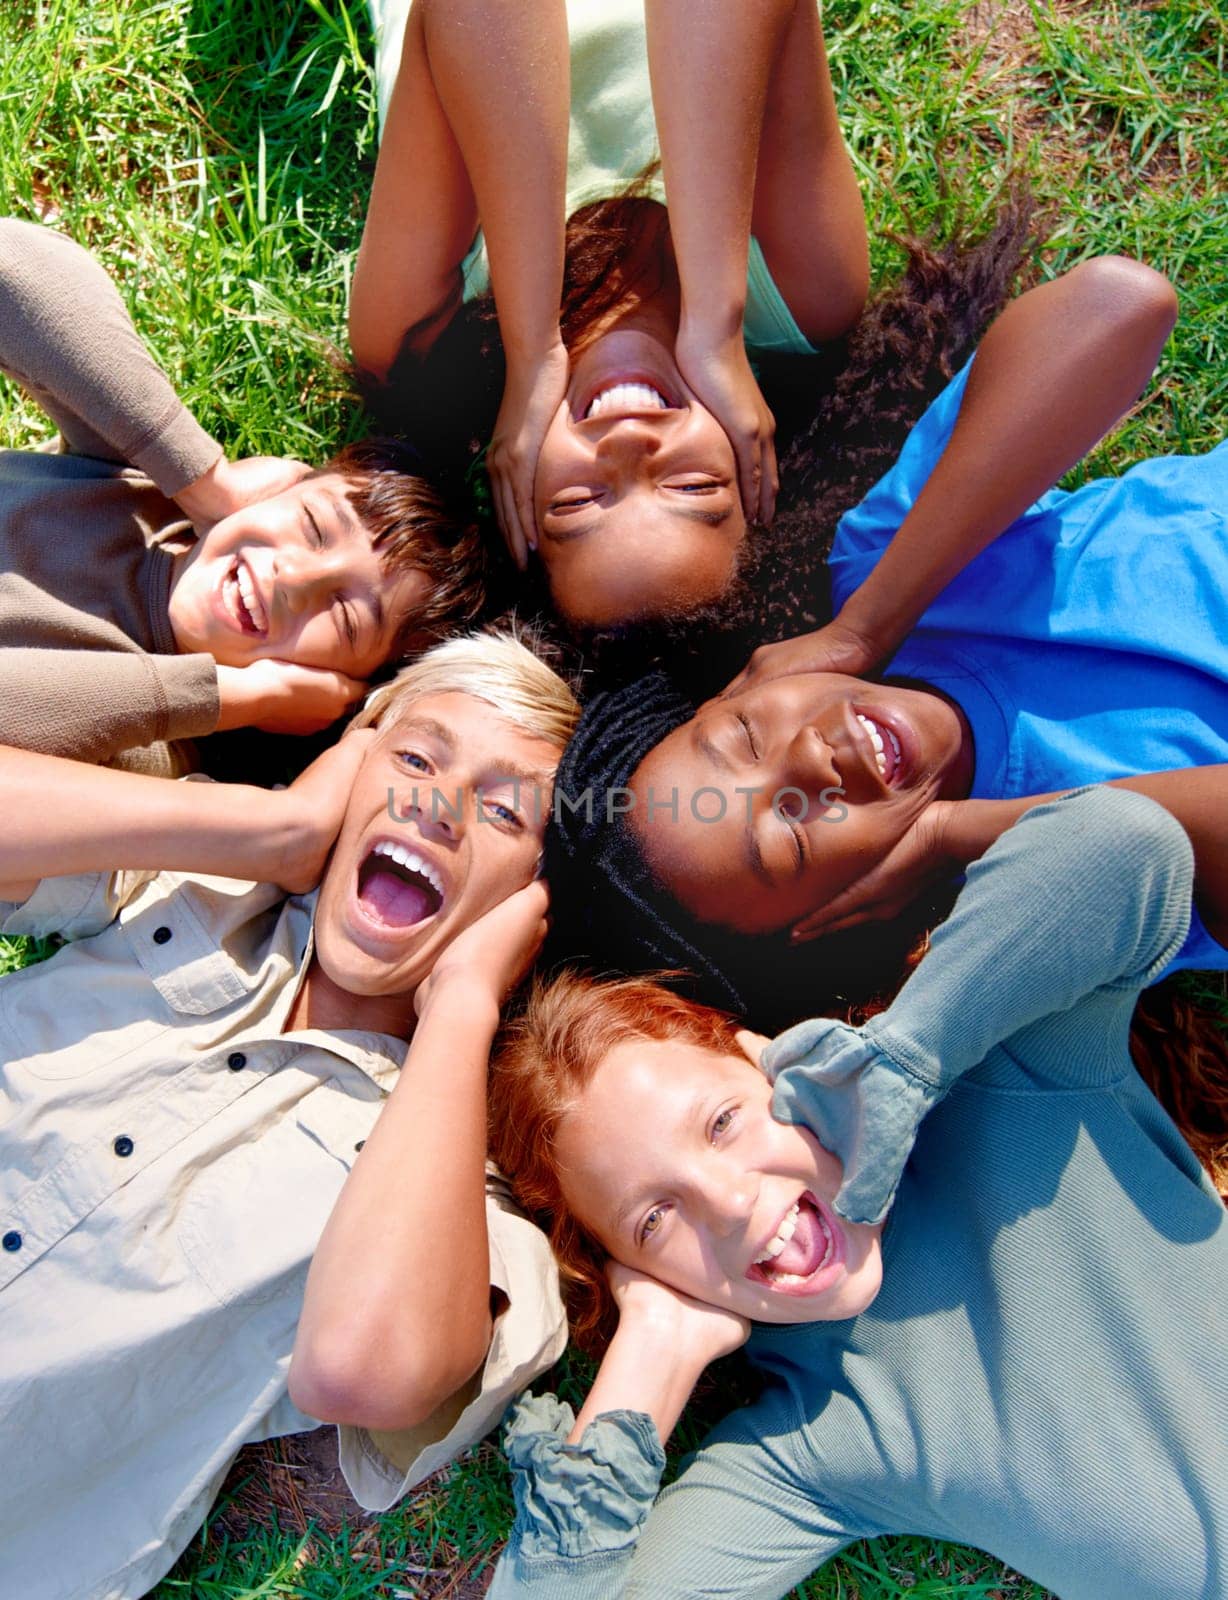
(1087, 893)
(66, 337)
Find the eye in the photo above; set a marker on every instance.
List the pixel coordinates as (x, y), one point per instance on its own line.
(571, 502)
(651, 1224)
(348, 623)
(750, 737)
(414, 761)
(504, 814)
(696, 485)
(316, 537)
(723, 1122)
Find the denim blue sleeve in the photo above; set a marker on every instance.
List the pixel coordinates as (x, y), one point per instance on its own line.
(1087, 893)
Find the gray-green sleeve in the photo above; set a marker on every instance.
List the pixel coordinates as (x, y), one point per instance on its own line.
(93, 704)
(1089, 892)
(66, 337)
(743, 1518)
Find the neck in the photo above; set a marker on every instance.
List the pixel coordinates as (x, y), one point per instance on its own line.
(321, 1003)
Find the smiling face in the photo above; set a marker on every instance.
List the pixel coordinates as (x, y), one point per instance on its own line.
(808, 781)
(672, 1159)
(636, 494)
(444, 821)
(296, 577)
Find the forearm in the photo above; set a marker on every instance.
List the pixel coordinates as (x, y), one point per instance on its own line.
(502, 74)
(708, 160)
(397, 1309)
(65, 334)
(636, 1375)
(1196, 796)
(64, 817)
(1051, 376)
(92, 704)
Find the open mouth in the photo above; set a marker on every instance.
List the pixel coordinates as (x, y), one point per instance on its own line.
(397, 887)
(242, 600)
(887, 754)
(630, 398)
(806, 1243)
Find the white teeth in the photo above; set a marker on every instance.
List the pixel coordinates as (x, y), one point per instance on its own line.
(876, 739)
(251, 600)
(626, 397)
(780, 1239)
(411, 861)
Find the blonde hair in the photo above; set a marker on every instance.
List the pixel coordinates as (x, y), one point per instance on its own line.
(499, 667)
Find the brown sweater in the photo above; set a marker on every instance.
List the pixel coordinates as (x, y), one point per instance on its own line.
(88, 662)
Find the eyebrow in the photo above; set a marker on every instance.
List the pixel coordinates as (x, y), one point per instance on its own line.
(428, 725)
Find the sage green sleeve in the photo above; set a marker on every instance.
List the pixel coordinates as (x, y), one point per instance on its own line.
(66, 337)
(1089, 894)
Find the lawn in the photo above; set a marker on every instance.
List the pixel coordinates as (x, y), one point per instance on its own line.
(217, 155)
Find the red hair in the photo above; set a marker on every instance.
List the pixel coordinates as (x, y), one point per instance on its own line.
(545, 1059)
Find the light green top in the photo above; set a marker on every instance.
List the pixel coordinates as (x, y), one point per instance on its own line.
(613, 138)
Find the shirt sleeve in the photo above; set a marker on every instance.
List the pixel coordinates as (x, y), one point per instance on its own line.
(529, 1335)
(66, 337)
(863, 533)
(92, 704)
(742, 1518)
(1087, 893)
(75, 907)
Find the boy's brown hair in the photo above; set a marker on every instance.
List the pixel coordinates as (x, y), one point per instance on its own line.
(413, 527)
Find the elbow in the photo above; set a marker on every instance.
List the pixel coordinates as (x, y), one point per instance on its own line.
(1129, 298)
(364, 1382)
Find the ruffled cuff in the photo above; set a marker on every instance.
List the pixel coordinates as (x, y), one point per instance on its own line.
(863, 1107)
(578, 1499)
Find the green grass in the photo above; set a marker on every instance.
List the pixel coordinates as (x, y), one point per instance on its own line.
(217, 156)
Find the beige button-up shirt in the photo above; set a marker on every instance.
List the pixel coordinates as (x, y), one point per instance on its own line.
(168, 1159)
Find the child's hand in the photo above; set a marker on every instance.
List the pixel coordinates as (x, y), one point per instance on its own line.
(833, 648)
(720, 375)
(282, 697)
(532, 395)
(230, 485)
(919, 859)
(308, 815)
(490, 957)
(686, 1328)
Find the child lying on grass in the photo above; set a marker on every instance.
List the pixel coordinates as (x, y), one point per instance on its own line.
(1039, 1374)
(189, 1082)
(152, 591)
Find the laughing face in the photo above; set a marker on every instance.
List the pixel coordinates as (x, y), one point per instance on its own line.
(672, 1160)
(445, 821)
(295, 577)
(636, 495)
(791, 790)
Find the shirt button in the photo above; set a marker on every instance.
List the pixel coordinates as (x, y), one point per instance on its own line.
(123, 1146)
(162, 936)
(11, 1240)
(237, 1061)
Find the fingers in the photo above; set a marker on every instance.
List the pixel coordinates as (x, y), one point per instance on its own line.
(510, 524)
(769, 481)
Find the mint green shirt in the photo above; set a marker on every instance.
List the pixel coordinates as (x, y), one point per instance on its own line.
(613, 137)
(1042, 1374)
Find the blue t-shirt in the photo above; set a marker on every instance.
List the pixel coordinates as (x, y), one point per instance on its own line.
(1090, 641)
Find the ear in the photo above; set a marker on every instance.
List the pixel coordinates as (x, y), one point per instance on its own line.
(752, 1045)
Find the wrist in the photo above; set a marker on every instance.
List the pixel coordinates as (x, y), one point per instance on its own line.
(206, 499)
(466, 996)
(239, 700)
(712, 320)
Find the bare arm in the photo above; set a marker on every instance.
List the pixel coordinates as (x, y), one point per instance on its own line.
(63, 817)
(397, 1311)
(951, 834)
(1051, 376)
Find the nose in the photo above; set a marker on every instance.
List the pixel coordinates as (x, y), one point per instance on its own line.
(441, 812)
(809, 764)
(307, 579)
(726, 1197)
(629, 443)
